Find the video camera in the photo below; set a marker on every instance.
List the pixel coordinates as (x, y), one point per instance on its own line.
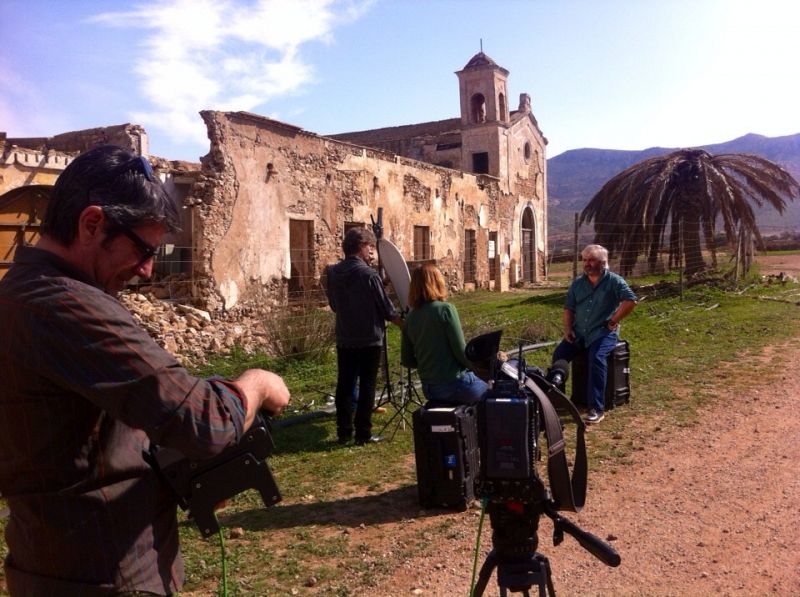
(201, 485)
(522, 402)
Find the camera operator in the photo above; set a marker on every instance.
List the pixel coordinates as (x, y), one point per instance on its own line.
(355, 293)
(85, 391)
(433, 342)
(596, 303)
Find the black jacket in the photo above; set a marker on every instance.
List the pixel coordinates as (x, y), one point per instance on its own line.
(356, 295)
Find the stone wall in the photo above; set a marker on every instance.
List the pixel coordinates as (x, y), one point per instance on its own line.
(28, 161)
(261, 174)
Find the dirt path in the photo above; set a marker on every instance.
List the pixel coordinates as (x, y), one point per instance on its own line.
(709, 509)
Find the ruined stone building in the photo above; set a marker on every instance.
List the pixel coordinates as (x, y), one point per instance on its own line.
(467, 192)
(267, 208)
(30, 166)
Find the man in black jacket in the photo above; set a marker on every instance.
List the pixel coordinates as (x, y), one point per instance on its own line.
(356, 295)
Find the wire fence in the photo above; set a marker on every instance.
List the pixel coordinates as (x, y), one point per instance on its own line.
(303, 329)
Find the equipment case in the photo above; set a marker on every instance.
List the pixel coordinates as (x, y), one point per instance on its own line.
(447, 456)
(618, 388)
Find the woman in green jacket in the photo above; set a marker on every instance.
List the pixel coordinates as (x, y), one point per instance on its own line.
(433, 342)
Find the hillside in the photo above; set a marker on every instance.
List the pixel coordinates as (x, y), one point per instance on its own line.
(576, 175)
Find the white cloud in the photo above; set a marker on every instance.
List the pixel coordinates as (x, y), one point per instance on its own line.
(224, 55)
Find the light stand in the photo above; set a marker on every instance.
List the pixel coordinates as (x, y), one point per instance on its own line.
(386, 393)
(402, 401)
(405, 395)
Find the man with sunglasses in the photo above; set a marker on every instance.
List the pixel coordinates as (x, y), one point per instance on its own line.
(85, 391)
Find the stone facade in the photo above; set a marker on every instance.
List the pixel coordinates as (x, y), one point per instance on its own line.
(274, 200)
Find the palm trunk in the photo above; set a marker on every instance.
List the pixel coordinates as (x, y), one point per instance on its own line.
(693, 256)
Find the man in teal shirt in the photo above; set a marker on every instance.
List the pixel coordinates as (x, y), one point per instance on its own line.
(596, 302)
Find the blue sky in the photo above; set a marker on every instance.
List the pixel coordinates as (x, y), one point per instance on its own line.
(620, 74)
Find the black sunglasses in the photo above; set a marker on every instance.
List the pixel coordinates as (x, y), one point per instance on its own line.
(137, 164)
(147, 250)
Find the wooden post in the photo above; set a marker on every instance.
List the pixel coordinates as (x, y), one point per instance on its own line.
(575, 249)
(680, 259)
(737, 271)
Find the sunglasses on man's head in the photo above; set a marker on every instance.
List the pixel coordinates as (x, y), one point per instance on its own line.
(137, 164)
(147, 250)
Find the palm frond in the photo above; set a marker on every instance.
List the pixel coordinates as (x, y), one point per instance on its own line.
(689, 189)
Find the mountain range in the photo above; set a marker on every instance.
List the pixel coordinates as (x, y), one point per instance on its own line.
(576, 175)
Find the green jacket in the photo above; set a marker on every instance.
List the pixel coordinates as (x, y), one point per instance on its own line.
(433, 342)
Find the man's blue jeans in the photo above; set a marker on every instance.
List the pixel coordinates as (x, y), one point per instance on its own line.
(597, 363)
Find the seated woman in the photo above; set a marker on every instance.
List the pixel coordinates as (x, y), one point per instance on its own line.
(433, 342)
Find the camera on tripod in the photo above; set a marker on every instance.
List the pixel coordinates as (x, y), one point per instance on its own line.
(508, 433)
(521, 403)
(201, 485)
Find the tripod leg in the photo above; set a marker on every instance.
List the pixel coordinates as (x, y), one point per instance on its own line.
(550, 588)
(485, 574)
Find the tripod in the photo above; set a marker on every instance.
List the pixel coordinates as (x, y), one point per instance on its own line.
(401, 401)
(514, 542)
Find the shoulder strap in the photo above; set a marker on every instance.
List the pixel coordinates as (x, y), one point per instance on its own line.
(569, 491)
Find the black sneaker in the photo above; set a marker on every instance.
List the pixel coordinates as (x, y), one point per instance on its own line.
(595, 416)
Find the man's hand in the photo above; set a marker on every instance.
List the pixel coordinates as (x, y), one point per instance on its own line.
(569, 321)
(262, 390)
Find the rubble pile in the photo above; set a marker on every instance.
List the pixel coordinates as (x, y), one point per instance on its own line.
(189, 333)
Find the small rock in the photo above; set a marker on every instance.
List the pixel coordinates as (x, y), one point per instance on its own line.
(236, 533)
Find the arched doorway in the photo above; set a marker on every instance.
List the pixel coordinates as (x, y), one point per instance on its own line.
(528, 254)
(21, 212)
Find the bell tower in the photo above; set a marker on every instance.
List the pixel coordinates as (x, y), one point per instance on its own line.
(483, 90)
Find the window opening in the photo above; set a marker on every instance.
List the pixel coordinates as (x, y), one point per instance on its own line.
(470, 256)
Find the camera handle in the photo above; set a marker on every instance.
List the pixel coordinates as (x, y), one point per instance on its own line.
(591, 543)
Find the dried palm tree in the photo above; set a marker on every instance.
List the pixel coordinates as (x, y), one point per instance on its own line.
(685, 192)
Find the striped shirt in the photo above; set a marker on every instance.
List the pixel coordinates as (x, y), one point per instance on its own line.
(84, 391)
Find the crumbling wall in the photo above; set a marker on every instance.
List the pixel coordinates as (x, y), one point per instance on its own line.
(260, 174)
(39, 160)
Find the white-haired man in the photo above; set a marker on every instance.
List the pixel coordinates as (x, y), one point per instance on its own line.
(596, 303)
